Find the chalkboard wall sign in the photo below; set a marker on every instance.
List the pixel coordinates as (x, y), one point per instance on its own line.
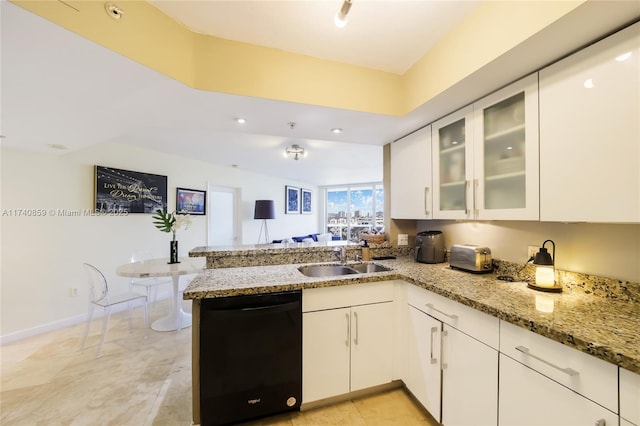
(119, 191)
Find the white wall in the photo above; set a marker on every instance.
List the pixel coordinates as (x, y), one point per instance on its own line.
(42, 257)
(607, 250)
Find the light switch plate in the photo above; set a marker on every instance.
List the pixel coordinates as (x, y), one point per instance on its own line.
(403, 239)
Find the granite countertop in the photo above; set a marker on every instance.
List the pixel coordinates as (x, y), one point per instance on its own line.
(253, 249)
(603, 327)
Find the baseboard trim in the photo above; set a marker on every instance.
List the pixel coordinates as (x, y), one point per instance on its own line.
(352, 395)
(63, 323)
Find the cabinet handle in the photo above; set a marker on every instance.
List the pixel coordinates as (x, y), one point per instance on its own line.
(443, 365)
(355, 340)
(567, 370)
(434, 330)
(452, 316)
(466, 203)
(476, 182)
(346, 342)
(426, 193)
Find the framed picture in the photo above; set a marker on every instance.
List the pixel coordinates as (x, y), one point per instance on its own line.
(120, 191)
(192, 201)
(291, 200)
(305, 201)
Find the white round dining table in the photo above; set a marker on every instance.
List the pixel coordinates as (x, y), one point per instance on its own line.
(149, 268)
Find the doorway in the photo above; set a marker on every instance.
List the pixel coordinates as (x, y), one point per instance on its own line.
(223, 227)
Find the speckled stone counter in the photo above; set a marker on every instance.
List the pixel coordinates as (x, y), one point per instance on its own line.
(287, 253)
(604, 324)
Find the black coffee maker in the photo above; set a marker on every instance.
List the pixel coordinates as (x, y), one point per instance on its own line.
(429, 247)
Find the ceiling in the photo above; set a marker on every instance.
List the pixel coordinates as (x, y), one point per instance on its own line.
(380, 34)
(59, 88)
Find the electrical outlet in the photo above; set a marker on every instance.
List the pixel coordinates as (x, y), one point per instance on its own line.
(73, 291)
(532, 251)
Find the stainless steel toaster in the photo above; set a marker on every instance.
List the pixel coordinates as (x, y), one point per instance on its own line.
(471, 258)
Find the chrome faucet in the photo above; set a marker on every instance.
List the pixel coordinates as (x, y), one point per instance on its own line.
(341, 254)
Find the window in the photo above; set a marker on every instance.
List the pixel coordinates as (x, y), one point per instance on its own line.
(351, 209)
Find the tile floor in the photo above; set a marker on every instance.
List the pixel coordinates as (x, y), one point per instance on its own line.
(48, 380)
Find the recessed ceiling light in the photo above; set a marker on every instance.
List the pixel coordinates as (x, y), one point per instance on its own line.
(336, 130)
(113, 11)
(241, 120)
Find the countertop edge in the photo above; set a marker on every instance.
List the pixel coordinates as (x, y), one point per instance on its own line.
(573, 340)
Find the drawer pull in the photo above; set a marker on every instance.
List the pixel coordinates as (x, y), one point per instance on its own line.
(601, 422)
(568, 371)
(434, 330)
(430, 306)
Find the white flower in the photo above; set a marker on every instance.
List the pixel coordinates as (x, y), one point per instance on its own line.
(182, 221)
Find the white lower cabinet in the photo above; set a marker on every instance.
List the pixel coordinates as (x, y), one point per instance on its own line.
(529, 398)
(345, 349)
(325, 354)
(423, 359)
(629, 398)
(452, 374)
(543, 382)
(469, 380)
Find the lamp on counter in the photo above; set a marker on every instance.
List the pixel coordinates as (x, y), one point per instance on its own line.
(265, 209)
(545, 270)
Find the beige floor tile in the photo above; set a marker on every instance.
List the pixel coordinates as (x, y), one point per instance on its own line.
(48, 380)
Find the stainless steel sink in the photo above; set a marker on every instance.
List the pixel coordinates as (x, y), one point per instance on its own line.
(333, 270)
(365, 268)
(325, 270)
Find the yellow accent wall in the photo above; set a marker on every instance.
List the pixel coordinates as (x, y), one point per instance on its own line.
(151, 38)
(492, 30)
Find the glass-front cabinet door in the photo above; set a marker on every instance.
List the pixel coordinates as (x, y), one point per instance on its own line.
(453, 165)
(506, 174)
(485, 157)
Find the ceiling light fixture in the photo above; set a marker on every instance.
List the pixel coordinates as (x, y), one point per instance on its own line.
(336, 130)
(295, 151)
(240, 120)
(341, 16)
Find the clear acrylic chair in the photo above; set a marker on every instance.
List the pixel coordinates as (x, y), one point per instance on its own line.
(100, 296)
(147, 283)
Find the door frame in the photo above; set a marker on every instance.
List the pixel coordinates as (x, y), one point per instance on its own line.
(237, 199)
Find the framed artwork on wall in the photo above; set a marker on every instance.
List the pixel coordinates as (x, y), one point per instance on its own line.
(291, 200)
(192, 201)
(125, 191)
(305, 201)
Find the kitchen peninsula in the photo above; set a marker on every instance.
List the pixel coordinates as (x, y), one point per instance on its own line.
(594, 316)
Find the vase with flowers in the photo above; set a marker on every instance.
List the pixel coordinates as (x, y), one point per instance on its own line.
(171, 222)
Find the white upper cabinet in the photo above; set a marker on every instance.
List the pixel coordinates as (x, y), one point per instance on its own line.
(453, 165)
(506, 168)
(590, 133)
(411, 191)
(486, 157)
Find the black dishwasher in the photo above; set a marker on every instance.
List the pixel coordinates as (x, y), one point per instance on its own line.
(250, 356)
